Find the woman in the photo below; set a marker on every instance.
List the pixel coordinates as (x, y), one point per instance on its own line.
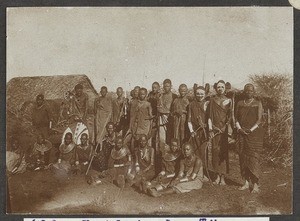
(250, 137)
(68, 158)
(218, 119)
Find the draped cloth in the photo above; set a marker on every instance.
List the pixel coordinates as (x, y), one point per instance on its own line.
(250, 146)
(197, 117)
(165, 121)
(188, 167)
(219, 112)
(143, 118)
(103, 113)
(179, 110)
(117, 105)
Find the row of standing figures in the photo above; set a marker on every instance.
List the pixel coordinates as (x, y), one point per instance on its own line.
(159, 142)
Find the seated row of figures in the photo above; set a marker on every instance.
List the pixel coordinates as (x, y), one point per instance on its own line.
(181, 169)
(171, 116)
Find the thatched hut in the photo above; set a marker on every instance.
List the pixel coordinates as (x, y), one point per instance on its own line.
(22, 89)
(21, 94)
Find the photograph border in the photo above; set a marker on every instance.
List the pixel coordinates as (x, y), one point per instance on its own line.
(157, 3)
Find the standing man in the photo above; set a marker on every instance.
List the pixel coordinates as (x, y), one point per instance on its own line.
(79, 103)
(197, 119)
(42, 117)
(219, 116)
(132, 106)
(179, 112)
(117, 106)
(103, 113)
(120, 108)
(164, 109)
(153, 98)
(143, 118)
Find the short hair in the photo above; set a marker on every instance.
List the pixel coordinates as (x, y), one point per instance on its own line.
(199, 88)
(120, 88)
(167, 81)
(220, 81)
(144, 89)
(69, 134)
(137, 87)
(78, 86)
(182, 85)
(143, 135)
(248, 85)
(84, 134)
(103, 88)
(188, 144)
(155, 83)
(131, 93)
(109, 123)
(40, 97)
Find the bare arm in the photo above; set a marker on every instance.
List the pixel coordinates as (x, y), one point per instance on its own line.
(259, 114)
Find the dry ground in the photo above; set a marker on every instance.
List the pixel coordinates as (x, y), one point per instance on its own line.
(43, 193)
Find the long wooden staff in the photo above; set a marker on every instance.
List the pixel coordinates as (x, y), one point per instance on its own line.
(95, 146)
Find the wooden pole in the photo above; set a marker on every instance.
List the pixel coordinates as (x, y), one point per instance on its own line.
(269, 123)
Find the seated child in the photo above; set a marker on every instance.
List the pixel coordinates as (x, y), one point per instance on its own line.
(119, 165)
(190, 173)
(170, 167)
(68, 158)
(41, 153)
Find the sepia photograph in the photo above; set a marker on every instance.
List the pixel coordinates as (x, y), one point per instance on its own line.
(149, 110)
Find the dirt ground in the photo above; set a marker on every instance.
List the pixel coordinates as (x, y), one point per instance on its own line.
(41, 192)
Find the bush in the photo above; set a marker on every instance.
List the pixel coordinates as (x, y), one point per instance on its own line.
(277, 93)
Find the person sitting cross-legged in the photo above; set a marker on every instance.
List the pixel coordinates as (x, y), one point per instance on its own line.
(68, 158)
(119, 166)
(190, 174)
(170, 166)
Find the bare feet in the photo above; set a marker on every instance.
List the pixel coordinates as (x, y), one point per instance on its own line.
(222, 182)
(255, 188)
(246, 186)
(153, 192)
(217, 181)
(205, 179)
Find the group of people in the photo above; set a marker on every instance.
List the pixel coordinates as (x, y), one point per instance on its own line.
(157, 141)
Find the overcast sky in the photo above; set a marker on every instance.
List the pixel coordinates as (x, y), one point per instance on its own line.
(137, 46)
